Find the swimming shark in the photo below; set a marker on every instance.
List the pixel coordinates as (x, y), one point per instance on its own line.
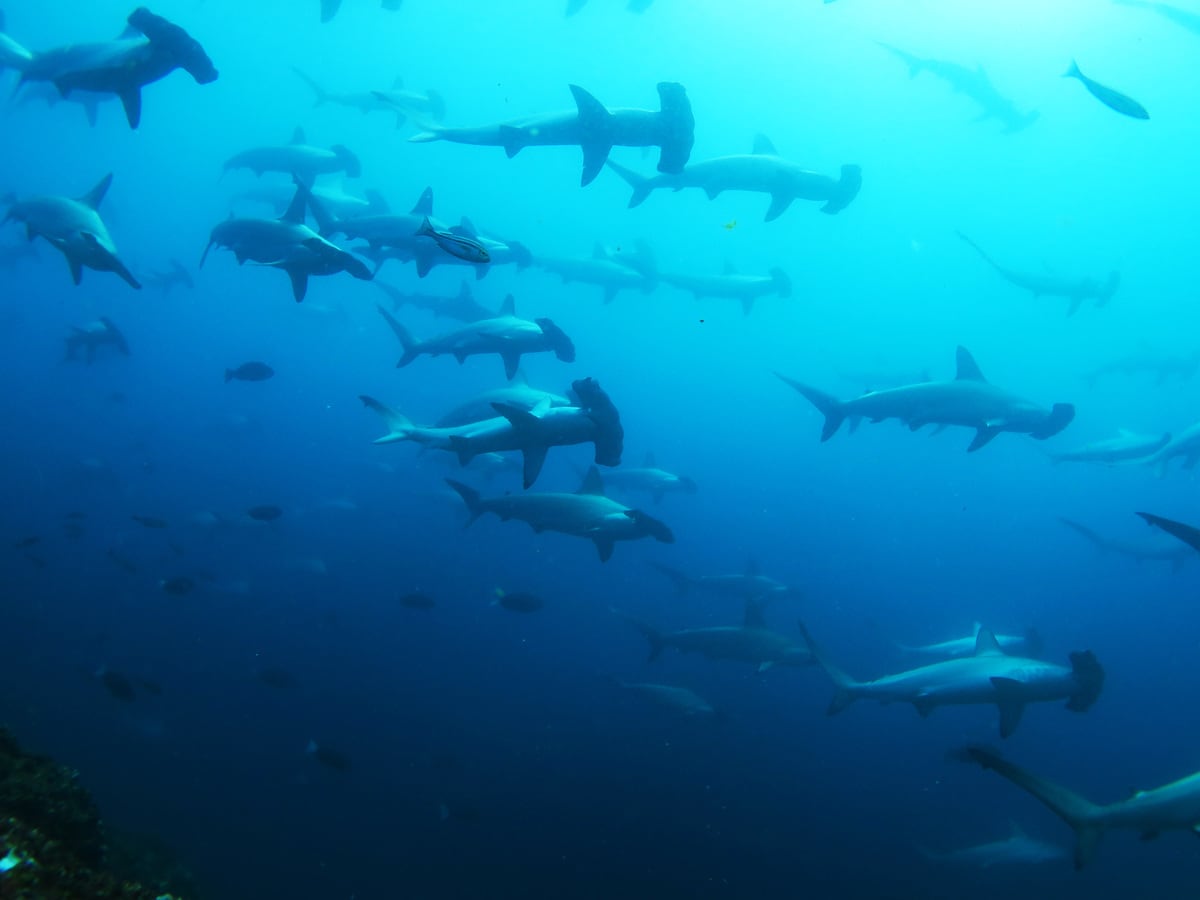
(74, 227)
(297, 158)
(1016, 849)
(972, 83)
(1172, 807)
(92, 337)
(602, 269)
(1126, 446)
(165, 281)
(1162, 366)
(335, 200)
(532, 431)
(969, 401)
(397, 102)
(329, 8)
(1182, 17)
(462, 306)
(988, 676)
(751, 642)
(649, 478)
(1190, 535)
(1185, 446)
(730, 285)
(747, 585)
(1028, 644)
(587, 514)
(45, 92)
(286, 243)
(148, 50)
(670, 697)
(762, 171)
(594, 128)
(1138, 551)
(504, 335)
(1075, 290)
(518, 393)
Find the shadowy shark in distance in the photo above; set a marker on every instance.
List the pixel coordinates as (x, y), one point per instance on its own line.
(1138, 551)
(732, 286)
(1125, 447)
(968, 401)
(1018, 849)
(92, 337)
(747, 585)
(593, 128)
(298, 159)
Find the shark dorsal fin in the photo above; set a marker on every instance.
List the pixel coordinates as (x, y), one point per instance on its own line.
(424, 204)
(755, 616)
(598, 251)
(469, 227)
(968, 369)
(752, 569)
(298, 136)
(591, 111)
(95, 196)
(593, 484)
(763, 146)
(729, 269)
(649, 462)
(295, 211)
(509, 306)
(986, 643)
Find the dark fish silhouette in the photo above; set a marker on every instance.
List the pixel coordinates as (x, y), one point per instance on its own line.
(1114, 100)
(265, 513)
(417, 600)
(249, 371)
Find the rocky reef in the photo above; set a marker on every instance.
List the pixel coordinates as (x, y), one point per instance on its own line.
(53, 845)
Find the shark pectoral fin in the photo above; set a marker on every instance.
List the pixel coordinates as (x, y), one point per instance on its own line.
(595, 154)
(924, 705)
(76, 270)
(610, 294)
(461, 356)
(1073, 308)
(983, 437)
(512, 362)
(299, 280)
(131, 99)
(513, 139)
(763, 667)
(604, 546)
(779, 205)
(533, 457)
(1010, 703)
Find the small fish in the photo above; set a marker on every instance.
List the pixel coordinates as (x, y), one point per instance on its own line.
(150, 521)
(417, 600)
(250, 371)
(27, 542)
(117, 685)
(518, 602)
(264, 513)
(275, 677)
(1114, 100)
(456, 242)
(178, 586)
(731, 224)
(329, 757)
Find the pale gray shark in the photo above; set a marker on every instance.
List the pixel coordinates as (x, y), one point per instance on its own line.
(972, 83)
(587, 514)
(1162, 366)
(1185, 446)
(650, 479)
(1165, 550)
(675, 699)
(89, 339)
(1028, 644)
(1125, 447)
(593, 128)
(518, 393)
(175, 276)
(1074, 290)
(505, 335)
(531, 431)
(149, 49)
(397, 102)
(1018, 849)
(730, 285)
(968, 401)
(989, 676)
(747, 585)
(74, 227)
(751, 642)
(608, 272)
(335, 200)
(286, 243)
(763, 172)
(297, 158)
(1172, 807)
(462, 306)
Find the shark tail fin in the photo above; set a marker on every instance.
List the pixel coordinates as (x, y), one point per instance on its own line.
(470, 497)
(1082, 815)
(829, 406)
(320, 95)
(681, 580)
(407, 342)
(399, 426)
(652, 634)
(845, 687)
(642, 186)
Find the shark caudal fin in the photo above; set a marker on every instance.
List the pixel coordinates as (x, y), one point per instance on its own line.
(320, 95)
(682, 581)
(399, 427)
(845, 688)
(847, 189)
(829, 406)
(410, 346)
(470, 497)
(642, 186)
(1082, 815)
(652, 634)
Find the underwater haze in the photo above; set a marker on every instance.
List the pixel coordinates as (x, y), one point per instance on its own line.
(901, 339)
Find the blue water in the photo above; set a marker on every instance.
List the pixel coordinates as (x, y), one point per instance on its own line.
(492, 754)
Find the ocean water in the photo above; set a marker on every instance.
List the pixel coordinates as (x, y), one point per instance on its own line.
(494, 753)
